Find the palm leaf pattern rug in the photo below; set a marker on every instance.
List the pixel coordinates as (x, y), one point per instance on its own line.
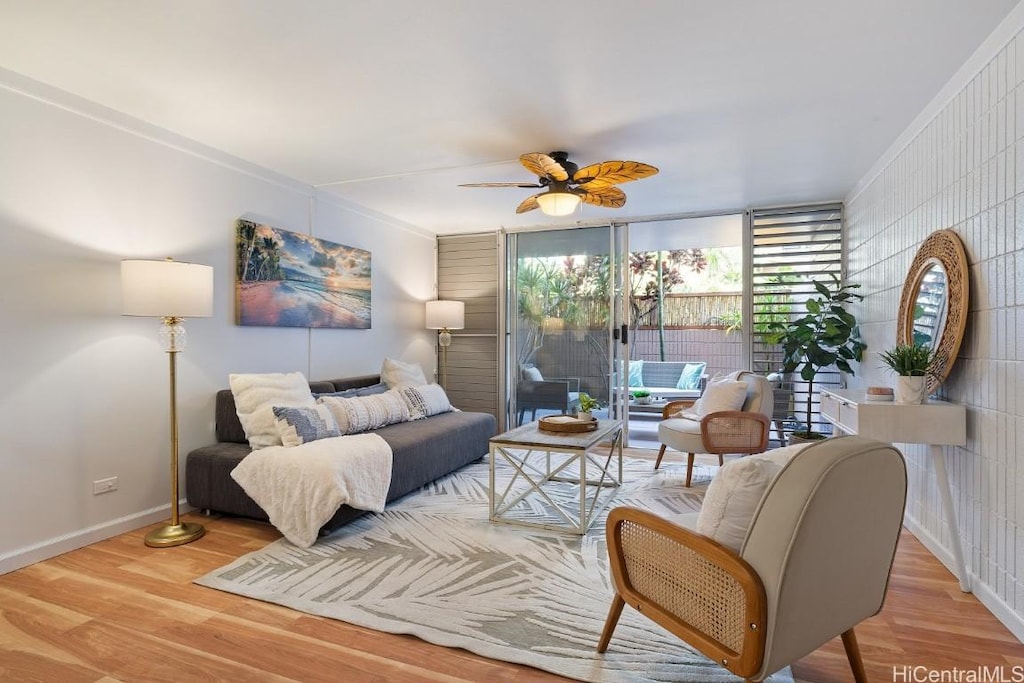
(433, 566)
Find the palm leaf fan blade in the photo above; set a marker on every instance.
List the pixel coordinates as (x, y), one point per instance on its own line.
(544, 166)
(609, 173)
(611, 197)
(528, 204)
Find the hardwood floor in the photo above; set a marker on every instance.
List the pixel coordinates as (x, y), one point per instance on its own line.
(119, 611)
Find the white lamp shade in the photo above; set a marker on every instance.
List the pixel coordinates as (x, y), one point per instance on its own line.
(164, 289)
(558, 203)
(446, 314)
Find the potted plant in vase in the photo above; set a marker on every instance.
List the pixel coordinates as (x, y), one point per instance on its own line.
(642, 396)
(827, 336)
(588, 405)
(910, 362)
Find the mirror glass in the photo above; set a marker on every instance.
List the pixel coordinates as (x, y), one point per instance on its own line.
(930, 306)
(933, 304)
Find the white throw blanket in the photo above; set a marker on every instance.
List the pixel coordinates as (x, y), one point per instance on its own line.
(300, 488)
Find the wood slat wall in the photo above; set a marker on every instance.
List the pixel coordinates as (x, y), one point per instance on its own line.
(467, 271)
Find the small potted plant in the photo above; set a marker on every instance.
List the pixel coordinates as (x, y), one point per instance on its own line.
(588, 405)
(911, 363)
(641, 396)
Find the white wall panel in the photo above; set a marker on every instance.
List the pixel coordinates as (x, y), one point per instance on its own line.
(964, 169)
(85, 391)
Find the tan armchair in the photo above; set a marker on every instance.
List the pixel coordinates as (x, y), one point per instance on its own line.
(815, 563)
(744, 431)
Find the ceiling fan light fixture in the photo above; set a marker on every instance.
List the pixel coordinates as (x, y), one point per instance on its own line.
(558, 203)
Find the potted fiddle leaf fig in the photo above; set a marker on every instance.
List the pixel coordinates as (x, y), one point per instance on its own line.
(911, 363)
(826, 336)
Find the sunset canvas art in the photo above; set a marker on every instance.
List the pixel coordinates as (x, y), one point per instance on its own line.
(288, 279)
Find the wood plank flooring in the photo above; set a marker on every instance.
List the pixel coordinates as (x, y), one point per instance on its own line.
(119, 611)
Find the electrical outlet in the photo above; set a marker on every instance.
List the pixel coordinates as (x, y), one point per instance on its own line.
(104, 485)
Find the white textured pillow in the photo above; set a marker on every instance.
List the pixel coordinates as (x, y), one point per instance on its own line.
(255, 398)
(297, 426)
(722, 393)
(425, 401)
(735, 492)
(395, 373)
(363, 413)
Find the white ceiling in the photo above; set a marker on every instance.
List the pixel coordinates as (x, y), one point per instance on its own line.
(391, 104)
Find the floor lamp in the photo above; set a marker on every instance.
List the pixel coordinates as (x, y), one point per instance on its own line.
(170, 290)
(445, 316)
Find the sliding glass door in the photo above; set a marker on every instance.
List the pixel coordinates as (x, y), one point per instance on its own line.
(564, 313)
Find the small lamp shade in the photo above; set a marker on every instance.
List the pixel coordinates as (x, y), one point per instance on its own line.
(558, 203)
(166, 289)
(449, 315)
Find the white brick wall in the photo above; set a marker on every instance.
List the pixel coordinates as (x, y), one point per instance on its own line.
(964, 170)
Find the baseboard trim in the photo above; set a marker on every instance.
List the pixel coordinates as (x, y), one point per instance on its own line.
(59, 545)
(986, 596)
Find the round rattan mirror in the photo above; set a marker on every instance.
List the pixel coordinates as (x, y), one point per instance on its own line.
(933, 305)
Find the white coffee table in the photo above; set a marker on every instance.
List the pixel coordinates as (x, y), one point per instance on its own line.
(538, 459)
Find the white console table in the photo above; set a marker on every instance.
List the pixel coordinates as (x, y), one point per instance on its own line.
(935, 423)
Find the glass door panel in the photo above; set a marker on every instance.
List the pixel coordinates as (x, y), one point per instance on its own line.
(559, 320)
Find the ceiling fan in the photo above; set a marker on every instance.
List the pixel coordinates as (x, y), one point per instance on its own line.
(566, 185)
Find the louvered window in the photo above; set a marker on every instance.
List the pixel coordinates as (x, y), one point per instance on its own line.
(791, 247)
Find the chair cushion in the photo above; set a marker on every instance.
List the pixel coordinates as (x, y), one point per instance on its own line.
(681, 434)
(532, 374)
(722, 393)
(735, 492)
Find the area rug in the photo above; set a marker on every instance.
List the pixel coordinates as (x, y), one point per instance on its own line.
(433, 566)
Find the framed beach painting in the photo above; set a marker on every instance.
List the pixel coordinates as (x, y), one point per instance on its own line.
(288, 279)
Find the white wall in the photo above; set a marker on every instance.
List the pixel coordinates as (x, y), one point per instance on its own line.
(84, 393)
(961, 166)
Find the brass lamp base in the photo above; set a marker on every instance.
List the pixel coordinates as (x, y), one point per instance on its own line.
(169, 535)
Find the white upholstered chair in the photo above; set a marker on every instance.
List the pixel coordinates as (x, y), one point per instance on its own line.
(743, 431)
(815, 562)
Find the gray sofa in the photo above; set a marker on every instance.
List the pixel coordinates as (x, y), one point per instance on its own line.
(661, 377)
(423, 451)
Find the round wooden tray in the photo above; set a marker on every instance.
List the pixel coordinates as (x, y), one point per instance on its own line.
(562, 426)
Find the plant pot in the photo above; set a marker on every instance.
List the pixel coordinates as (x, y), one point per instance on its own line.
(585, 415)
(909, 389)
(805, 437)
(643, 400)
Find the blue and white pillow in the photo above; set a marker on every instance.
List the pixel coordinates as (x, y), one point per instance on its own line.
(689, 378)
(297, 426)
(378, 388)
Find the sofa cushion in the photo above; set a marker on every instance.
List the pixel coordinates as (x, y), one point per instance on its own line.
(395, 373)
(425, 401)
(255, 397)
(362, 413)
(689, 378)
(297, 426)
(378, 388)
(735, 492)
